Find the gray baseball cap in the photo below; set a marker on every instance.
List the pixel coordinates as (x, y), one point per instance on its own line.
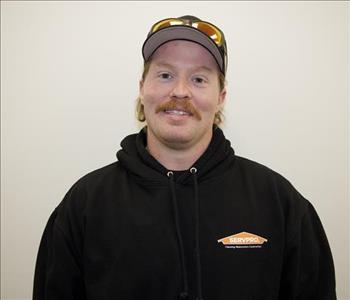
(187, 28)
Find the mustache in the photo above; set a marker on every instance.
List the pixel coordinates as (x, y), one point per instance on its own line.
(184, 105)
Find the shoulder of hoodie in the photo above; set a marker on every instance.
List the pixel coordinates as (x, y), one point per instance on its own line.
(77, 196)
(300, 216)
(292, 201)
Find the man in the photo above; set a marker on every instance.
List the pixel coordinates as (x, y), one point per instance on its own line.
(180, 216)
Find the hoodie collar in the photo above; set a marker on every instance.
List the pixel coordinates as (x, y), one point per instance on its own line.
(134, 156)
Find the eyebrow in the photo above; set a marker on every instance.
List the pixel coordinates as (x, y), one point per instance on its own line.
(164, 64)
(199, 68)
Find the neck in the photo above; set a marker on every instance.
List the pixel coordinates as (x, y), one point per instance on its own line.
(177, 157)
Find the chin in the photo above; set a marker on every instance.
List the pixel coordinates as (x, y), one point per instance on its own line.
(176, 138)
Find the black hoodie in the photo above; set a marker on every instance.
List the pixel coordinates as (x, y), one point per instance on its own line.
(228, 228)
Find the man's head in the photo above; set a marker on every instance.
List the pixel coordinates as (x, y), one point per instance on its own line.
(182, 89)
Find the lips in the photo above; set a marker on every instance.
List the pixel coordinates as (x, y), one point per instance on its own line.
(177, 112)
(179, 108)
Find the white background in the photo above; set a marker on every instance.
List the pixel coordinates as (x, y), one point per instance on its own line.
(69, 80)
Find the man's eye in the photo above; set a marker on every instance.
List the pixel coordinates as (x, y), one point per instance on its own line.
(165, 76)
(198, 80)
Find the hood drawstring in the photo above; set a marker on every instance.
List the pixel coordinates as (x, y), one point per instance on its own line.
(184, 293)
(197, 250)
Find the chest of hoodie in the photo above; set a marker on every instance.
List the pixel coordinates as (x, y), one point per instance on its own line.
(134, 236)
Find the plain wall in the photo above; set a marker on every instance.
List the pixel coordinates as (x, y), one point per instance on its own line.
(69, 80)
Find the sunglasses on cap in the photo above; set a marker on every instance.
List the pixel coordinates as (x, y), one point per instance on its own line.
(188, 28)
(214, 33)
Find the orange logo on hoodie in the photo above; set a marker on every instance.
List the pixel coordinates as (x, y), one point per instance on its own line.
(242, 238)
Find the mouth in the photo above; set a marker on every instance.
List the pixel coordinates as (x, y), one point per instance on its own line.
(177, 112)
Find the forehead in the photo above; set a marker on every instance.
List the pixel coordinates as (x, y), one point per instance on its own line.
(184, 54)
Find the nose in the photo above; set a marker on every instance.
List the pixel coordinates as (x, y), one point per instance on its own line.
(181, 89)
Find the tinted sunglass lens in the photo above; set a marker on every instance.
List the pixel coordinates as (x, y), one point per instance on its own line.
(211, 31)
(166, 23)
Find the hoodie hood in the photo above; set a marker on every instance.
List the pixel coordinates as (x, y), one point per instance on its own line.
(218, 157)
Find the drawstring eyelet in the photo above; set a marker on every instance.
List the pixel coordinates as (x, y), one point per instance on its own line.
(193, 170)
(170, 174)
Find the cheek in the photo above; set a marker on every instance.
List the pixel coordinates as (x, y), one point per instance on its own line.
(209, 104)
(153, 94)
(148, 97)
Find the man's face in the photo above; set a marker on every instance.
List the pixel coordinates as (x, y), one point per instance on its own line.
(181, 95)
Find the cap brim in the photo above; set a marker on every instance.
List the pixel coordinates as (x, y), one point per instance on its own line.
(162, 36)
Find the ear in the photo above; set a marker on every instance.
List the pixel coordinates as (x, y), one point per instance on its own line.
(141, 89)
(222, 97)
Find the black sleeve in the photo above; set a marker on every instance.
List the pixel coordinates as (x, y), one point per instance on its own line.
(308, 270)
(58, 272)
